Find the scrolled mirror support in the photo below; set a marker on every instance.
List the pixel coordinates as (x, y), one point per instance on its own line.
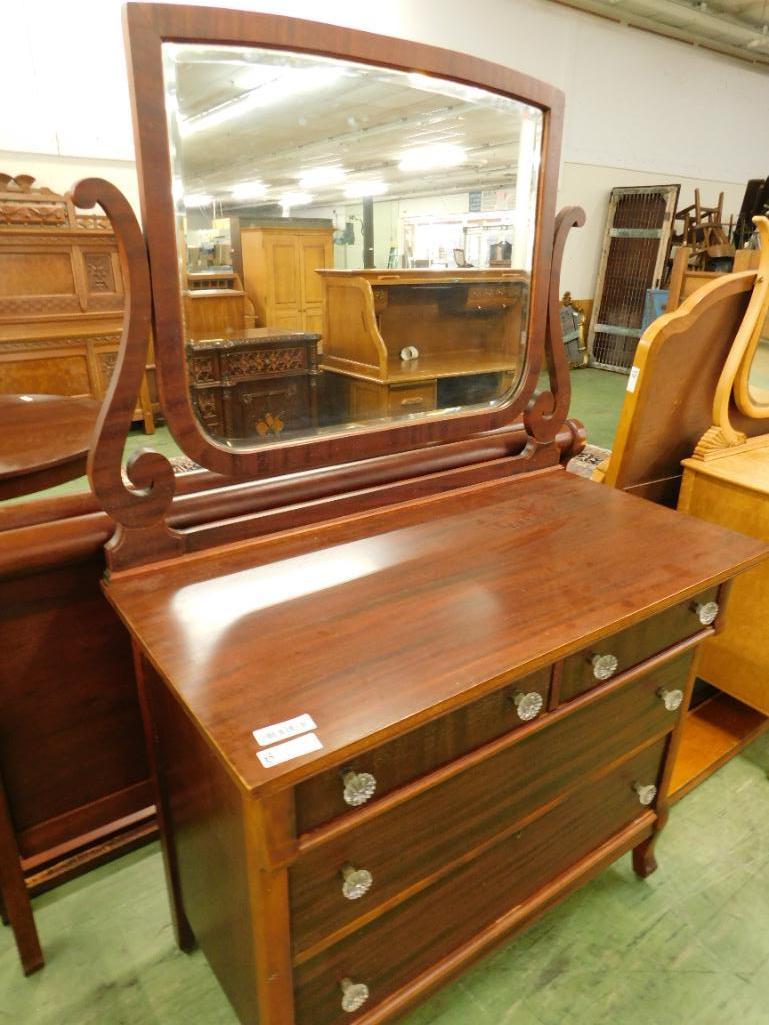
(546, 412)
(142, 505)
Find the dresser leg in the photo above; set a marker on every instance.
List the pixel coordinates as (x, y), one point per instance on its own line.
(644, 862)
(185, 938)
(14, 896)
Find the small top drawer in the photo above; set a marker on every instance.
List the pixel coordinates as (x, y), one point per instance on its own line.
(626, 649)
(411, 398)
(322, 798)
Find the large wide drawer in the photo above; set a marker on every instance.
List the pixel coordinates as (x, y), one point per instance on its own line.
(397, 947)
(397, 762)
(632, 646)
(408, 843)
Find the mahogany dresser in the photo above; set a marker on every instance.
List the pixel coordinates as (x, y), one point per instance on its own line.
(477, 712)
(399, 705)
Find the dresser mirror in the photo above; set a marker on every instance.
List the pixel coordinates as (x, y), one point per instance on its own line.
(756, 376)
(376, 227)
(349, 238)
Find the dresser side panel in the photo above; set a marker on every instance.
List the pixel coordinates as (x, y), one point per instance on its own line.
(207, 832)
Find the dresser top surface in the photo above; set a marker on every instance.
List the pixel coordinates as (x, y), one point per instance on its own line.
(375, 623)
(746, 467)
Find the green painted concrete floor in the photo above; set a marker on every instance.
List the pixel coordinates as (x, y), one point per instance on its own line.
(688, 946)
(596, 401)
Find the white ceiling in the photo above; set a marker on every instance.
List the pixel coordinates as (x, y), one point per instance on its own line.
(739, 28)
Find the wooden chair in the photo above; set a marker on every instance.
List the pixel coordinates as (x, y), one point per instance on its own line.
(685, 280)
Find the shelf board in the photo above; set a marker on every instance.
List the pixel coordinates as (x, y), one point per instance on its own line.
(714, 732)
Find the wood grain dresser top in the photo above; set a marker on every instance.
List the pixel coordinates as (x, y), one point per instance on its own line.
(375, 623)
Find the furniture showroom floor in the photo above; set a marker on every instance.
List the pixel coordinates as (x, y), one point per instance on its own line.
(688, 946)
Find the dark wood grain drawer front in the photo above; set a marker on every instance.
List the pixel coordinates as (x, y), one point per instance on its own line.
(418, 752)
(405, 845)
(592, 666)
(408, 940)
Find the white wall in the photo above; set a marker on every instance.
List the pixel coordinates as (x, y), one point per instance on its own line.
(639, 109)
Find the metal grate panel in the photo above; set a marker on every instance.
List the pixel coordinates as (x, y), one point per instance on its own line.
(635, 247)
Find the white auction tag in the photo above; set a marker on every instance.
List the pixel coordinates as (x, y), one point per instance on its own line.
(631, 381)
(288, 750)
(283, 730)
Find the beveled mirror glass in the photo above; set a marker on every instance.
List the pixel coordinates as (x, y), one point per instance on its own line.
(758, 379)
(354, 243)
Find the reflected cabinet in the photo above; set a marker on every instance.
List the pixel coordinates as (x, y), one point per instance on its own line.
(413, 341)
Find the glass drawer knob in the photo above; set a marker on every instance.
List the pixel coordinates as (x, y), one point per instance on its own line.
(646, 793)
(528, 705)
(354, 995)
(706, 611)
(357, 882)
(604, 666)
(671, 699)
(358, 787)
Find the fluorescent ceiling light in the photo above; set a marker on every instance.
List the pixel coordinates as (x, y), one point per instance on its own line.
(282, 85)
(358, 190)
(424, 158)
(249, 190)
(198, 199)
(295, 199)
(317, 177)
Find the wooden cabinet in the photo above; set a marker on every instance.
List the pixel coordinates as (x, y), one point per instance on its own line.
(61, 297)
(459, 331)
(279, 274)
(732, 489)
(259, 386)
(464, 764)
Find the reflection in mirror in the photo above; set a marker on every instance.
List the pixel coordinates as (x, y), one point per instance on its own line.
(355, 243)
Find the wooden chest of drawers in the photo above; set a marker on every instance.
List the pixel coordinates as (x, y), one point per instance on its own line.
(467, 761)
(260, 385)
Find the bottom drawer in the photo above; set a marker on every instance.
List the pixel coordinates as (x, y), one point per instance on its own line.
(402, 944)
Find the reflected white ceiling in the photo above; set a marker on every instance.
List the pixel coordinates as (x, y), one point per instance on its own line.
(242, 121)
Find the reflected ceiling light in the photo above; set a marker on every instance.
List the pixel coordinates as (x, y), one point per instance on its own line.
(198, 199)
(359, 190)
(249, 190)
(423, 158)
(317, 177)
(282, 85)
(290, 199)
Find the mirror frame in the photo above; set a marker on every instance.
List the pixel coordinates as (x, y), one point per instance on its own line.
(147, 27)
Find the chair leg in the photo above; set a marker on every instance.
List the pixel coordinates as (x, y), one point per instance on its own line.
(16, 904)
